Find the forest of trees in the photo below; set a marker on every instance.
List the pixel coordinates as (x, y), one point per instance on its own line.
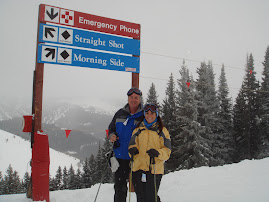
(206, 129)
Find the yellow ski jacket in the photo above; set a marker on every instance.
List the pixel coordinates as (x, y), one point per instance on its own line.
(145, 139)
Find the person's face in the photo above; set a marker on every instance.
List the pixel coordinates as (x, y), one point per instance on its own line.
(150, 116)
(134, 101)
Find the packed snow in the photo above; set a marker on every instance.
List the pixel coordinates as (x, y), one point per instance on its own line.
(247, 181)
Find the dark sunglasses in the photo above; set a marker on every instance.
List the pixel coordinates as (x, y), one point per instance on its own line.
(134, 90)
(151, 107)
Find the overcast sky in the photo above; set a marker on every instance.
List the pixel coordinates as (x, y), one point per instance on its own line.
(201, 30)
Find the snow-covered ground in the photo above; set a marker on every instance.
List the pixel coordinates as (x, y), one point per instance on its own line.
(16, 151)
(247, 181)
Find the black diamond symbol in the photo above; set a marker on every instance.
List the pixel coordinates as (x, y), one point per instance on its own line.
(66, 35)
(64, 54)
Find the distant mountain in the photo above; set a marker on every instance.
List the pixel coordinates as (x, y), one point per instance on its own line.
(9, 111)
(87, 125)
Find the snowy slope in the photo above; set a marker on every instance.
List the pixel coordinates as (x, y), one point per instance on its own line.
(247, 181)
(16, 151)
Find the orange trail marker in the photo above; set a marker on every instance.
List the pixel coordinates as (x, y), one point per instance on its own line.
(188, 84)
(67, 132)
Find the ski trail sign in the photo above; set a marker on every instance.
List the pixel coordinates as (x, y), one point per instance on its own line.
(88, 39)
(87, 31)
(86, 58)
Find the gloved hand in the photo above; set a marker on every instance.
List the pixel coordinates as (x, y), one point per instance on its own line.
(153, 153)
(133, 151)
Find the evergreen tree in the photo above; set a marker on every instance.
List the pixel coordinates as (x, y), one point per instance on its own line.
(1, 184)
(71, 178)
(12, 182)
(152, 96)
(208, 107)
(188, 150)
(65, 179)
(78, 178)
(227, 143)
(17, 183)
(168, 114)
(98, 172)
(93, 167)
(263, 143)
(246, 114)
(52, 184)
(169, 108)
(107, 174)
(86, 175)
(26, 180)
(58, 178)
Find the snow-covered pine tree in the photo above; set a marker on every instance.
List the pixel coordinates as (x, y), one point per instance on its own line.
(188, 152)
(208, 113)
(26, 180)
(52, 183)
(99, 165)
(264, 109)
(86, 174)
(107, 174)
(78, 178)
(168, 113)
(1, 183)
(65, 179)
(152, 96)
(71, 178)
(246, 114)
(226, 119)
(92, 168)
(12, 182)
(59, 179)
(17, 183)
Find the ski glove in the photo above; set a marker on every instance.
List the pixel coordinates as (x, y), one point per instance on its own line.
(133, 151)
(153, 153)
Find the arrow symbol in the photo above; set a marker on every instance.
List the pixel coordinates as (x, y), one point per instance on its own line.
(51, 14)
(48, 31)
(51, 52)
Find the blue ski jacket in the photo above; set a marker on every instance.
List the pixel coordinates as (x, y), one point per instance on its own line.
(122, 125)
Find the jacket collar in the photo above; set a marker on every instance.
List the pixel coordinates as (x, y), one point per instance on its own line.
(154, 127)
(127, 109)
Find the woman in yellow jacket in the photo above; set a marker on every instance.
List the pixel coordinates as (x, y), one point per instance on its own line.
(150, 141)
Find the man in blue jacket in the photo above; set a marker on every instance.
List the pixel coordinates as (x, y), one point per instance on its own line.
(120, 132)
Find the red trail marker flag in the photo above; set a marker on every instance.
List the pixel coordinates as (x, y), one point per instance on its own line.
(67, 132)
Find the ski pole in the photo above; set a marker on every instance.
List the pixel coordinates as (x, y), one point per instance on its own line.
(102, 178)
(130, 183)
(100, 183)
(155, 188)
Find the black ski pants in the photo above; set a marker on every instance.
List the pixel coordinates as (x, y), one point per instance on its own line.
(145, 191)
(121, 178)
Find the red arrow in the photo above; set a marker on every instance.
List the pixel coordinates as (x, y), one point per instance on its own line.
(188, 84)
(250, 71)
(67, 132)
